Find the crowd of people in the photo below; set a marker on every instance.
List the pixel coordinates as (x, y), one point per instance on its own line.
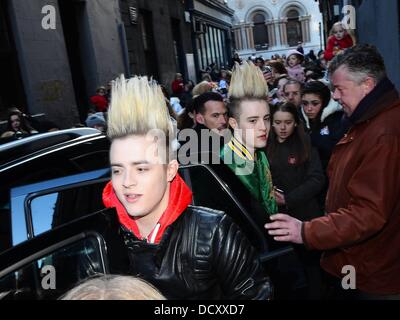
(309, 159)
(314, 140)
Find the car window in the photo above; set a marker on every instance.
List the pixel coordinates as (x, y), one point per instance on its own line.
(39, 207)
(50, 275)
(92, 160)
(17, 178)
(54, 209)
(73, 159)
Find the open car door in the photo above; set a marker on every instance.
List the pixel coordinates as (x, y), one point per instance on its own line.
(53, 262)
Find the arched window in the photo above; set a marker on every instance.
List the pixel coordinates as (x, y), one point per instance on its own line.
(260, 32)
(293, 26)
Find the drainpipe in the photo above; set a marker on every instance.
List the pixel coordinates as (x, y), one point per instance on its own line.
(190, 8)
(124, 48)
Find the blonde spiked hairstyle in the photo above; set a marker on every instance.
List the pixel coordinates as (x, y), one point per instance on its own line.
(247, 83)
(137, 107)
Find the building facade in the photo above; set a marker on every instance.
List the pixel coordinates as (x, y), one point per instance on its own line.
(55, 53)
(211, 33)
(158, 38)
(267, 27)
(64, 50)
(376, 22)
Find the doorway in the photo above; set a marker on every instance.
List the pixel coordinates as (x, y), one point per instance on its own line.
(12, 93)
(72, 15)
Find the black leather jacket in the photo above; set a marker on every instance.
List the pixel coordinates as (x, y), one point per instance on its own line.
(202, 255)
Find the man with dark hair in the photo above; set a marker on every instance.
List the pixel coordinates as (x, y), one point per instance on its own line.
(360, 233)
(204, 141)
(210, 111)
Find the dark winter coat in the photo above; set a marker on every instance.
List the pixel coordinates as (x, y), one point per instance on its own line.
(326, 134)
(301, 183)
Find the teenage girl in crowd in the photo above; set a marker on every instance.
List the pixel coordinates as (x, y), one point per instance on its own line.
(298, 179)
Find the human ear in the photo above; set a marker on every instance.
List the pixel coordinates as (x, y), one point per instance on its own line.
(199, 118)
(232, 123)
(172, 170)
(192, 115)
(369, 85)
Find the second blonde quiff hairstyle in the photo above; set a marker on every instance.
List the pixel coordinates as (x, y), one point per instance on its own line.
(247, 83)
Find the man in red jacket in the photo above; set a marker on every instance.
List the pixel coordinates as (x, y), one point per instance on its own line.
(360, 233)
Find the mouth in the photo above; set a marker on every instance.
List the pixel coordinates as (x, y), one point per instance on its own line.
(282, 133)
(132, 198)
(263, 137)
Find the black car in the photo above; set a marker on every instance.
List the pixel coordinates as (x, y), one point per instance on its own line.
(53, 226)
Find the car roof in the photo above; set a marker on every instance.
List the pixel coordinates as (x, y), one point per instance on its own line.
(16, 150)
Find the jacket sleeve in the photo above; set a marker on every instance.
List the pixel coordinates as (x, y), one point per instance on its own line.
(349, 41)
(370, 204)
(238, 268)
(312, 185)
(328, 55)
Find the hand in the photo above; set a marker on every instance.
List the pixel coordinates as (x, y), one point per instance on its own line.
(267, 76)
(280, 198)
(285, 228)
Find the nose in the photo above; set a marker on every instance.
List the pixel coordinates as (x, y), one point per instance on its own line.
(336, 94)
(222, 119)
(129, 179)
(263, 126)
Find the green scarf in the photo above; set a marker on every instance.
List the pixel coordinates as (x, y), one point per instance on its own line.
(254, 173)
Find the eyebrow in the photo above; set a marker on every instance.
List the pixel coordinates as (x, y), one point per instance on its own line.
(256, 117)
(218, 113)
(134, 163)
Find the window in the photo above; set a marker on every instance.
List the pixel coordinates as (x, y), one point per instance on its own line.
(54, 209)
(293, 28)
(260, 32)
(70, 264)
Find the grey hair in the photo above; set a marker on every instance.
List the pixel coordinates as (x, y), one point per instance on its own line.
(114, 287)
(361, 61)
(293, 81)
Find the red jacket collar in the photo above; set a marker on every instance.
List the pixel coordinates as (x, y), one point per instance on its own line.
(179, 199)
